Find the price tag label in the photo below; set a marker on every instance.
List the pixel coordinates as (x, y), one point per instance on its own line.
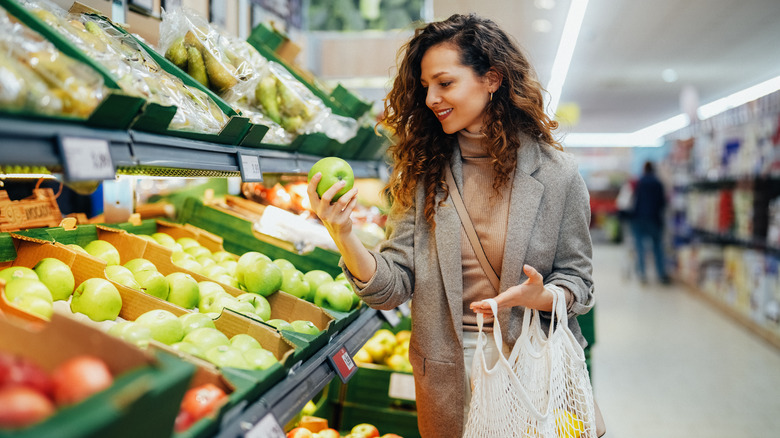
(86, 159)
(401, 386)
(250, 168)
(391, 316)
(343, 364)
(267, 427)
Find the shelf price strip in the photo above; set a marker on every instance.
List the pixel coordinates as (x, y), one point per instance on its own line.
(343, 364)
(86, 159)
(249, 165)
(267, 427)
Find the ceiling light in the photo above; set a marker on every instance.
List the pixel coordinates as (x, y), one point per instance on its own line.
(560, 68)
(544, 4)
(669, 75)
(541, 25)
(739, 98)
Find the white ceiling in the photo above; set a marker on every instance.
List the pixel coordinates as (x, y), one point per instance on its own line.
(717, 47)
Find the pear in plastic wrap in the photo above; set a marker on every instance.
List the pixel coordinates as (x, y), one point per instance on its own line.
(177, 53)
(195, 66)
(219, 76)
(265, 93)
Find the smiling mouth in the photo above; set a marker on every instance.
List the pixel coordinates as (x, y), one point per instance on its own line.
(441, 115)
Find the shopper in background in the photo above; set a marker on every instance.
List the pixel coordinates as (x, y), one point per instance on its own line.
(466, 97)
(647, 222)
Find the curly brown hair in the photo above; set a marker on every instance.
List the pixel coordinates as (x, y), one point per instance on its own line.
(422, 148)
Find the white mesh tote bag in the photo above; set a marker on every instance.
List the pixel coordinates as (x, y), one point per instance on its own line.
(541, 391)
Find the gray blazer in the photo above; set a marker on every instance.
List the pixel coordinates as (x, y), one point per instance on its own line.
(548, 228)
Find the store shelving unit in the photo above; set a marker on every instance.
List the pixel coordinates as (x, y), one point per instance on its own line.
(28, 142)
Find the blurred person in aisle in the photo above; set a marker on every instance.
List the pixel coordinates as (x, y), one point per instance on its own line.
(647, 222)
(466, 98)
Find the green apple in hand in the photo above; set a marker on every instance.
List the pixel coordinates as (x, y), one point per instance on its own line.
(104, 251)
(120, 274)
(140, 264)
(195, 320)
(132, 332)
(260, 358)
(165, 326)
(305, 327)
(334, 296)
(226, 356)
(153, 283)
(15, 272)
(243, 342)
(57, 276)
(206, 338)
(183, 290)
(259, 302)
(20, 287)
(333, 170)
(97, 298)
(295, 284)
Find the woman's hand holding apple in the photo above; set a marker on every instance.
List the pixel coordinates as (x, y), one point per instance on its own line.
(334, 215)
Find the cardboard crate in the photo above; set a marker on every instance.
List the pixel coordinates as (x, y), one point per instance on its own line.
(38, 210)
(143, 400)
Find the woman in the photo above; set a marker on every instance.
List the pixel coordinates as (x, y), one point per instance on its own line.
(466, 97)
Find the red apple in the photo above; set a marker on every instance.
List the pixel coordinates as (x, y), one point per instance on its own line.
(391, 435)
(20, 371)
(300, 432)
(328, 433)
(201, 401)
(23, 406)
(78, 378)
(365, 430)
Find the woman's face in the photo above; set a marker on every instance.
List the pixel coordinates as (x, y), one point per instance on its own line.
(455, 93)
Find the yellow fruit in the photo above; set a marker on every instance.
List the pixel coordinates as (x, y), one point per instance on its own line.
(567, 425)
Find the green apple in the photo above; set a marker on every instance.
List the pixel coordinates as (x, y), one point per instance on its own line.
(183, 290)
(140, 264)
(153, 283)
(198, 251)
(240, 307)
(187, 242)
(104, 251)
(190, 265)
(165, 326)
(315, 278)
(14, 272)
(186, 347)
(341, 277)
(295, 284)
(132, 332)
(97, 298)
(259, 302)
(246, 260)
(195, 320)
(206, 338)
(120, 274)
(27, 286)
(77, 248)
(146, 237)
(227, 356)
(285, 265)
(57, 276)
(210, 288)
(280, 324)
(213, 270)
(35, 305)
(243, 342)
(221, 256)
(261, 277)
(334, 296)
(228, 280)
(164, 239)
(205, 260)
(229, 265)
(333, 170)
(181, 255)
(305, 327)
(260, 358)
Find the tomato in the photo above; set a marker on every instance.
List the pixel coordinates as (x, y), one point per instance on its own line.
(202, 400)
(78, 378)
(23, 406)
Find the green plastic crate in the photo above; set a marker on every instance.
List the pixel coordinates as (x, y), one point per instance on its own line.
(398, 421)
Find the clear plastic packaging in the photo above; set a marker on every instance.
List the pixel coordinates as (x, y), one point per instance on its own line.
(35, 76)
(135, 71)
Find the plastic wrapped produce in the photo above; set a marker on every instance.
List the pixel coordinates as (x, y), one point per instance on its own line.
(135, 71)
(35, 76)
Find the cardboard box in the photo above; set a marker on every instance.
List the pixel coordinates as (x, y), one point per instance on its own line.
(143, 400)
(38, 210)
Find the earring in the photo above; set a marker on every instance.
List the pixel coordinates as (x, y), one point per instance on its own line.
(491, 97)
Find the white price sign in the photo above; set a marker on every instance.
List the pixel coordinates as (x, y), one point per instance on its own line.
(86, 159)
(401, 386)
(250, 168)
(268, 427)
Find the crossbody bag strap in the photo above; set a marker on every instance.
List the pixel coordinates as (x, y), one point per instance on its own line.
(465, 219)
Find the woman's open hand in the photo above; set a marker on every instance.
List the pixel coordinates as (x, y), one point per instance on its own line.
(530, 294)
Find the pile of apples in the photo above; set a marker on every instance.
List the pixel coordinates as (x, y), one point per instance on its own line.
(363, 430)
(388, 349)
(28, 394)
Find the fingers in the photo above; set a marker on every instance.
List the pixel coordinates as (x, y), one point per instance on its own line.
(533, 275)
(481, 307)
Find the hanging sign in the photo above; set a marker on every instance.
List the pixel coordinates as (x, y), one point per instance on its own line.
(249, 165)
(343, 364)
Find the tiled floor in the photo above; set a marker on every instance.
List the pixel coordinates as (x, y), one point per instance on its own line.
(667, 364)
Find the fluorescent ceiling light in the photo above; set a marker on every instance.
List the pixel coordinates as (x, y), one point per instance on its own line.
(653, 134)
(560, 68)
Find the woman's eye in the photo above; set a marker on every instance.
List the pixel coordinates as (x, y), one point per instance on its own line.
(445, 84)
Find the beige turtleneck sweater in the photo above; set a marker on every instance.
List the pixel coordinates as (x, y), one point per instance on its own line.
(489, 212)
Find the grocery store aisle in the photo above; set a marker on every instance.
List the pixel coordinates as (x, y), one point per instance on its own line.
(666, 364)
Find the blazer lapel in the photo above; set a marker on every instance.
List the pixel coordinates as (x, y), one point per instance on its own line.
(448, 243)
(524, 204)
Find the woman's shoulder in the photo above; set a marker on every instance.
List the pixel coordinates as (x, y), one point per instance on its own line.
(550, 158)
